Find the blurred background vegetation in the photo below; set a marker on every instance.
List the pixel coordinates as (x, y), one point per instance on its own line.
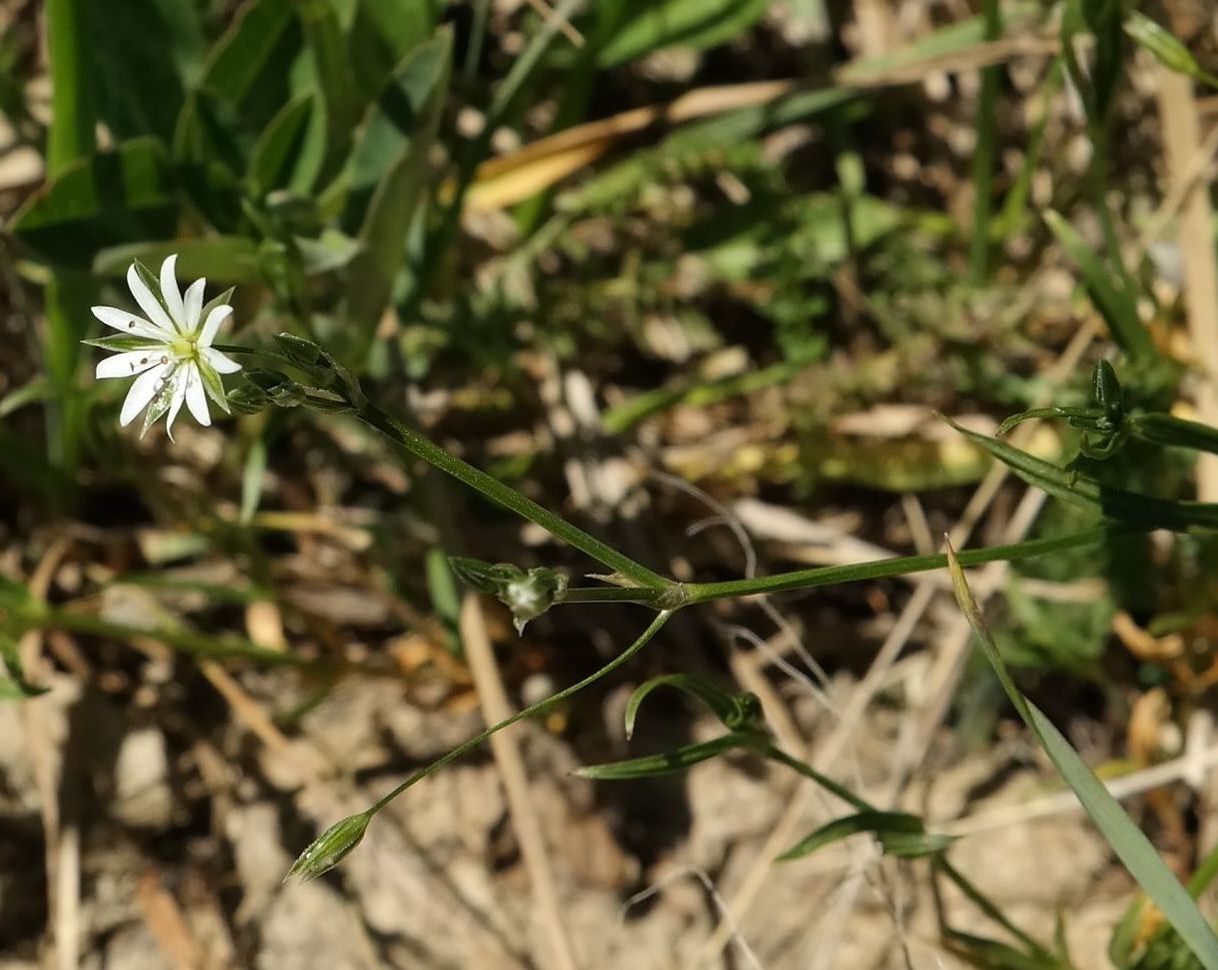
(702, 275)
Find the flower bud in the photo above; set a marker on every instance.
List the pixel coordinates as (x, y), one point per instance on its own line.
(330, 848)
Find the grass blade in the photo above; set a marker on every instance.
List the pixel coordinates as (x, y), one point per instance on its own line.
(1126, 839)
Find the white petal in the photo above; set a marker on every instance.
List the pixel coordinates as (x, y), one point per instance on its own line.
(149, 304)
(217, 316)
(179, 395)
(194, 304)
(127, 322)
(130, 363)
(222, 364)
(142, 392)
(170, 291)
(196, 398)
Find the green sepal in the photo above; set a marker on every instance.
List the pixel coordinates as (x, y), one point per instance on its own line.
(330, 848)
(212, 384)
(215, 301)
(159, 405)
(122, 343)
(153, 282)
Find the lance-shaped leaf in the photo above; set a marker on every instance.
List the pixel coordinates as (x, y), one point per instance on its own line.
(13, 685)
(666, 762)
(899, 833)
(100, 201)
(389, 175)
(1165, 429)
(1117, 306)
(1166, 47)
(1125, 838)
(1133, 507)
(736, 711)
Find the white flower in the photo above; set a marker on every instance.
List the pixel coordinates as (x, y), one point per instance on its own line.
(168, 350)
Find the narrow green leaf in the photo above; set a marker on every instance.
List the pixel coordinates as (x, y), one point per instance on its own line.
(995, 955)
(1164, 429)
(328, 43)
(13, 685)
(38, 389)
(1125, 838)
(220, 259)
(1142, 510)
(247, 49)
(277, 153)
(899, 833)
(146, 53)
(445, 598)
(407, 116)
(667, 763)
(734, 711)
(648, 25)
(99, 201)
(1167, 49)
(252, 477)
(1117, 306)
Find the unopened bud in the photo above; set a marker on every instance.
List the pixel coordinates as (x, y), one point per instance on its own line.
(329, 848)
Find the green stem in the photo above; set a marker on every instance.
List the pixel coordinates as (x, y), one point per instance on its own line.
(775, 753)
(993, 912)
(539, 708)
(647, 595)
(882, 568)
(983, 157)
(509, 498)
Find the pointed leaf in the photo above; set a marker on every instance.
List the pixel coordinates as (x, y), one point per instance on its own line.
(1118, 307)
(1126, 839)
(900, 834)
(221, 259)
(733, 710)
(278, 147)
(1143, 510)
(667, 763)
(100, 201)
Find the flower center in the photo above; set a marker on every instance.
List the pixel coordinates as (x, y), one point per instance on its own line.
(184, 347)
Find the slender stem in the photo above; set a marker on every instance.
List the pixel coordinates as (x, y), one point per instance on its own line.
(980, 900)
(897, 566)
(983, 157)
(539, 708)
(647, 595)
(775, 753)
(509, 498)
(473, 53)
